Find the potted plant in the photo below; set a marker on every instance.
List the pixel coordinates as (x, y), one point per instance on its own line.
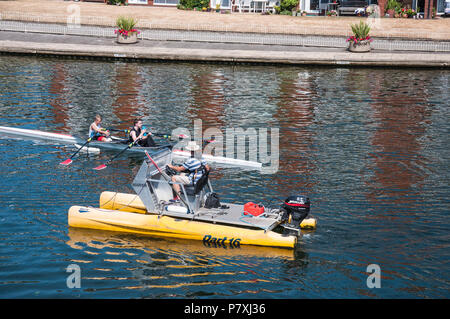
(303, 13)
(360, 40)
(391, 7)
(331, 13)
(126, 32)
(411, 13)
(218, 7)
(403, 13)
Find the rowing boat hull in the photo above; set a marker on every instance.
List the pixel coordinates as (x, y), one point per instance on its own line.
(121, 146)
(65, 138)
(220, 159)
(115, 146)
(166, 226)
(20, 132)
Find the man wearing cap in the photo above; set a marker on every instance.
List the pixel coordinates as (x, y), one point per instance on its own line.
(194, 167)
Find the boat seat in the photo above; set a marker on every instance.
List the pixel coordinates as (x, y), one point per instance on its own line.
(192, 190)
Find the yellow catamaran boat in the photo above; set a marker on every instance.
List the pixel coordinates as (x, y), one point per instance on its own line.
(150, 212)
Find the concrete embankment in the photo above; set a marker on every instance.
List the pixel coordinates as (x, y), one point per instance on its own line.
(242, 54)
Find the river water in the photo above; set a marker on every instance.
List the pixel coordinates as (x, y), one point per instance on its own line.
(370, 147)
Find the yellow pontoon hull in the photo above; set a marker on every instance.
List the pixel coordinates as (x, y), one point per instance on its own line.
(166, 226)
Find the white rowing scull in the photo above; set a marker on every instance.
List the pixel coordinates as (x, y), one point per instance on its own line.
(117, 145)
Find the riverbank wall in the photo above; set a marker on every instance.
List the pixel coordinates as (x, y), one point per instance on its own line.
(300, 43)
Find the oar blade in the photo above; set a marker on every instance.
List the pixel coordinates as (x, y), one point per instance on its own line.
(103, 166)
(100, 167)
(66, 162)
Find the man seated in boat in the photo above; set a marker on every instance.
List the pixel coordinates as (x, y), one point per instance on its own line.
(191, 170)
(96, 132)
(141, 134)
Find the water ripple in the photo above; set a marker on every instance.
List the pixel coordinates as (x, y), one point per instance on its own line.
(369, 146)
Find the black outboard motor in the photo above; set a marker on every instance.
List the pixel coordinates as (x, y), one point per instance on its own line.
(296, 209)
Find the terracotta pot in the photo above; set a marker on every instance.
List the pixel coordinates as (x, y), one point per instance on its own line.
(359, 47)
(127, 39)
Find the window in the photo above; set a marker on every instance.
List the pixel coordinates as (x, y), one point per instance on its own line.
(314, 5)
(137, 1)
(167, 2)
(440, 6)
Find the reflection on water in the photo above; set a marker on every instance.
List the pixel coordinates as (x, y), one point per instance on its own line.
(398, 140)
(369, 147)
(169, 263)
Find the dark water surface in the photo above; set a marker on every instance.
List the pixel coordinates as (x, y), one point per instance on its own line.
(369, 146)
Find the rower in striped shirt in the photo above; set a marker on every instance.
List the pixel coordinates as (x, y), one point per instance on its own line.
(191, 170)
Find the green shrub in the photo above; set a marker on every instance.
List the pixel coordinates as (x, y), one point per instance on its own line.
(191, 4)
(288, 5)
(116, 2)
(393, 5)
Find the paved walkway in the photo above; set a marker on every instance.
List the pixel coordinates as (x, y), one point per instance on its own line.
(103, 47)
(59, 11)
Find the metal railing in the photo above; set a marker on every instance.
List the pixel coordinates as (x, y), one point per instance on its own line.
(268, 35)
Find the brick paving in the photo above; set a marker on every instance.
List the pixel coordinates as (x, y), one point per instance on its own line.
(59, 11)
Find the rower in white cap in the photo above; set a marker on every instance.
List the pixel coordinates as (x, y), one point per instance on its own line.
(190, 171)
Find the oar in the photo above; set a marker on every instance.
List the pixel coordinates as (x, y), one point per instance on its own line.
(69, 160)
(182, 136)
(103, 166)
(167, 179)
(118, 130)
(163, 135)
